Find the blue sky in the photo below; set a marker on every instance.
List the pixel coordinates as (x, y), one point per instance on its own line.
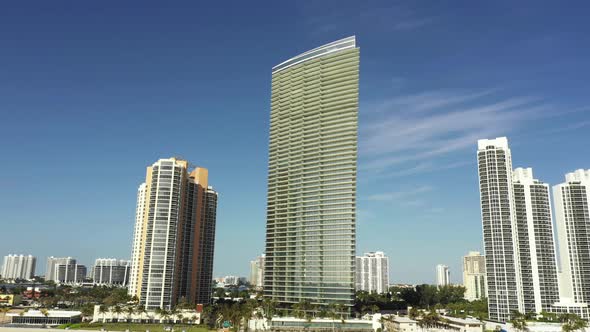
(93, 92)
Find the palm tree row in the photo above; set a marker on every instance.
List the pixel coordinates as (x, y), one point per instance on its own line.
(569, 322)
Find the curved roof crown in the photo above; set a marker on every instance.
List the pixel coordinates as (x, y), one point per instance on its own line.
(336, 46)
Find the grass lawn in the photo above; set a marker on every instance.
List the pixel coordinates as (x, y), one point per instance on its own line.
(135, 327)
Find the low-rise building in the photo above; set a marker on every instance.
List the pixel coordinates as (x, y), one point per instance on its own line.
(400, 324)
(9, 299)
(47, 318)
(190, 316)
(290, 324)
(464, 324)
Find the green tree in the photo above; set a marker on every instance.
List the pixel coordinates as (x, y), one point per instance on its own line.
(519, 321)
(3, 311)
(572, 322)
(428, 295)
(209, 315)
(87, 310)
(141, 311)
(129, 311)
(269, 307)
(548, 316)
(220, 293)
(102, 310)
(117, 310)
(173, 314)
(246, 311)
(304, 309)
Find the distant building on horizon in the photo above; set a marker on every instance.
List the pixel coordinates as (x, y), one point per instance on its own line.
(257, 272)
(474, 276)
(174, 236)
(111, 272)
(232, 280)
(311, 200)
(52, 262)
(70, 273)
(18, 267)
(372, 272)
(443, 275)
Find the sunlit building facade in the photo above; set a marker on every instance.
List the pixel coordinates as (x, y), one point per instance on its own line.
(572, 214)
(172, 255)
(311, 210)
(500, 234)
(372, 272)
(474, 276)
(536, 246)
(18, 267)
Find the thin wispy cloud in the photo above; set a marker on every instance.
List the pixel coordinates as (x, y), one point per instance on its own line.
(425, 167)
(572, 127)
(407, 197)
(406, 134)
(393, 18)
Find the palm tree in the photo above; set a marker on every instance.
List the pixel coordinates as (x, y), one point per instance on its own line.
(158, 312)
(374, 309)
(45, 313)
(102, 310)
(518, 321)
(4, 310)
(299, 309)
(129, 310)
(173, 314)
(333, 314)
(164, 315)
(141, 311)
(117, 310)
(247, 310)
(269, 307)
(572, 322)
(304, 309)
(430, 320)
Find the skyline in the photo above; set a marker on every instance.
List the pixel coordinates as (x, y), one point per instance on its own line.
(75, 116)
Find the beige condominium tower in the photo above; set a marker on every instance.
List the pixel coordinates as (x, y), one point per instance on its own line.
(172, 255)
(311, 210)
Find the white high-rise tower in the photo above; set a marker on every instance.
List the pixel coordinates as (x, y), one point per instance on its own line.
(372, 272)
(500, 235)
(474, 276)
(572, 212)
(138, 242)
(538, 262)
(18, 267)
(443, 275)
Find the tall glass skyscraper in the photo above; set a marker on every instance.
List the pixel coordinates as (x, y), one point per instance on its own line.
(311, 211)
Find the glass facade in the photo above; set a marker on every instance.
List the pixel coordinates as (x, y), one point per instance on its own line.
(311, 210)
